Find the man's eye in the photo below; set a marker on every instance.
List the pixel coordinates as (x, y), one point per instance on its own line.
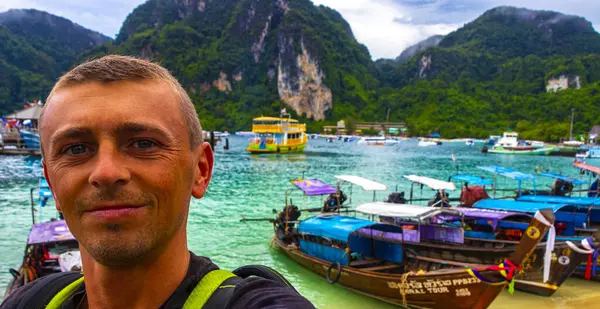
(143, 144)
(76, 150)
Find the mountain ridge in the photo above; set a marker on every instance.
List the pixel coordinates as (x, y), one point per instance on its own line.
(238, 59)
(36, 47)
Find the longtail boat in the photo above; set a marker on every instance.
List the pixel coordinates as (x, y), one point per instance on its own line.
(50, 247)
(464, 237)
(370, 258)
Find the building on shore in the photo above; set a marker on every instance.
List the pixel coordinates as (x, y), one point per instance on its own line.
(391, 128)
(594, 135)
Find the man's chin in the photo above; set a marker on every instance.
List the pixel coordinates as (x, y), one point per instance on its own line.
(121, 252)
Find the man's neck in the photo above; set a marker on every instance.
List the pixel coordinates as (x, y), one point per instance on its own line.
(147, 285)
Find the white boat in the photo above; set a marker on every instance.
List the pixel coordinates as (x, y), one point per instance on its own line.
(509, 144)
(245, 133)
(470, 142)
(536, 144)
(377, 141)
(426, 143)
(573, 143)
(592, 151)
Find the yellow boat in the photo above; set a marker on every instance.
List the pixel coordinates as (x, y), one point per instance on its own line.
(277, 135)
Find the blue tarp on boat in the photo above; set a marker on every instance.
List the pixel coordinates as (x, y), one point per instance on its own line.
(341, 228)
(569, 179)
(510, 205)
(472, 180)
(571, 215)
(583, 201)
(507, 172)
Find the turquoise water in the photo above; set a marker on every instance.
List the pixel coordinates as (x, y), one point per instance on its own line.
(252, 185)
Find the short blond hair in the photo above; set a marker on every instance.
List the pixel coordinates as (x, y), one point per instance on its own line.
(114, 68)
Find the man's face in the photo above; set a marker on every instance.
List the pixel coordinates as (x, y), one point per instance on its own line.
(118, 159)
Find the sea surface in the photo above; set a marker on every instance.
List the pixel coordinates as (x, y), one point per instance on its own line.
(253, 185)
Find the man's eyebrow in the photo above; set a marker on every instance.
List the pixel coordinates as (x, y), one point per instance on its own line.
(135, 127)
(76, 132)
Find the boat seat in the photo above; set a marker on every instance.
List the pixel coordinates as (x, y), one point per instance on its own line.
(383, 267)
(365, 262)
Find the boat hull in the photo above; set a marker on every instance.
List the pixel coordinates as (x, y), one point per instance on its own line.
(447, 288)
(272, 148)
(480, 251)
(529, 152)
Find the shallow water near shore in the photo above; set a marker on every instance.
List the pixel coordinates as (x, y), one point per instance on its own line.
(253, 185)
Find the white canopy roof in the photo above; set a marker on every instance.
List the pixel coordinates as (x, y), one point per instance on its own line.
(402, 210)
(32, 112)
(431, 183)
(365, 184)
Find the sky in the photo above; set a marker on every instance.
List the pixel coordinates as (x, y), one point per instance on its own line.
(386, 27)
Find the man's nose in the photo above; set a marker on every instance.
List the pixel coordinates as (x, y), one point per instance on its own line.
(109, 167)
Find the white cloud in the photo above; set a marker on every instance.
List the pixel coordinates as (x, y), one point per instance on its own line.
(105, 16)
(386, 27)
(374, 25)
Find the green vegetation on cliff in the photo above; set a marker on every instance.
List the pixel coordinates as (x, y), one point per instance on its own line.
(491, 75)
(35, 49)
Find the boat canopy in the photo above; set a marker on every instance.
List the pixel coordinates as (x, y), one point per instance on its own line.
(378, 240)
(340, 227)
(434, 184)
(472, 180)
(568, 179)
(404, 211)
(491, 217)
(312, 187)
(262, 119)
(491, 214)
(581, 201)
(49, 232)
(507, 172)
(365, 184)
(574, 216)
(517, 206)
(587, 167)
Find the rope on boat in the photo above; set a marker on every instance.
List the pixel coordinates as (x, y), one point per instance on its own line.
(592, 251)
(507, 269)
(590, 269)
(404, 287)
(548, 253)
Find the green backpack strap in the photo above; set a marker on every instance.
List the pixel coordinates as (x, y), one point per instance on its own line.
(206, 287)
(64, 294)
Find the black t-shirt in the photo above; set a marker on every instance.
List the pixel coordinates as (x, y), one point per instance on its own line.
(250, 293)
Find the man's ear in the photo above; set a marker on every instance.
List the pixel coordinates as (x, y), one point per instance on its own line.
(204, 170)
(58, 208)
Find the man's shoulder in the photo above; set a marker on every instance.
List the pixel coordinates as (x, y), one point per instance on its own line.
(39, 292)
(254, 293)
(14, 299)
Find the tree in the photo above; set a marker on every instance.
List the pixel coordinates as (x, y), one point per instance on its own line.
(350, 124)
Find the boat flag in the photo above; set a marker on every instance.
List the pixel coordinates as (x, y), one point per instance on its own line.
(283, 111)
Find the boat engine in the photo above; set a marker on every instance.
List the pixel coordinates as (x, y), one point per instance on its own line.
(334, 201)
(285, 221)
(561, 187)
(396, 198)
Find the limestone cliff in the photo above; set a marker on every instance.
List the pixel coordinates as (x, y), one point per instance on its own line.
(281, 53)
(301, 86)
